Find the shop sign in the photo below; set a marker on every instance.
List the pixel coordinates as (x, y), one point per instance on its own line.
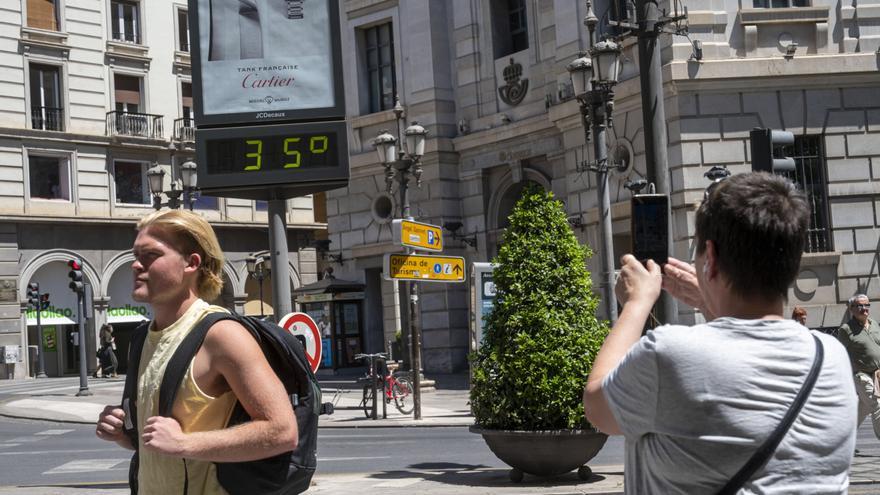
(348, 296)
(309, 298)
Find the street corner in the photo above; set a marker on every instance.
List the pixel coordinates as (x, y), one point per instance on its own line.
(52, 410)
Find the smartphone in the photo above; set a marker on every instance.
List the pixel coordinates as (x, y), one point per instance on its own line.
(650, 227)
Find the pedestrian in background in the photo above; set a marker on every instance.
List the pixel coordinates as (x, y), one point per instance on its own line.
(697, 404)
(107, 362)
(799, 315)
(860, 335)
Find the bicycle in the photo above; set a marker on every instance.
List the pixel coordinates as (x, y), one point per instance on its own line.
(395, 386)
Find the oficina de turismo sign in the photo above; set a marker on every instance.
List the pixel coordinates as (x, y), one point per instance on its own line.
(266, 61)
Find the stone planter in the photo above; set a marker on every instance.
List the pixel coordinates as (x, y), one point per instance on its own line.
(544, 453)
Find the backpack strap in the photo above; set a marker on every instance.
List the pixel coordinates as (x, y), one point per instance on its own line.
(129, 393)
(766, 450)
(176, 368)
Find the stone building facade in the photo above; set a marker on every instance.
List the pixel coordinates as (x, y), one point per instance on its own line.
(92, 94)
(812, 70)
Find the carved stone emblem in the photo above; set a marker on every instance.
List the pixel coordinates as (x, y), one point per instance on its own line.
(515, 88)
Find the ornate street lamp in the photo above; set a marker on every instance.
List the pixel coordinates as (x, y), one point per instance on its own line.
(186, 187)
(256, 268)
(399, 163)
(593, 78)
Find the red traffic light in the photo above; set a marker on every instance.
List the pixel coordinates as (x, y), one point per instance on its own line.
(33, 287)
(74, 264)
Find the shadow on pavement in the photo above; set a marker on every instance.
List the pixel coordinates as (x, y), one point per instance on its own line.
(448, 473)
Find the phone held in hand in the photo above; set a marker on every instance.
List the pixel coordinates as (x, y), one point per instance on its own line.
(650, 227)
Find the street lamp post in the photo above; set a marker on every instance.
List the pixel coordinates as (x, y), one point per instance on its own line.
(256, 268)
(399, 163)
(593, 79)
(186, 187)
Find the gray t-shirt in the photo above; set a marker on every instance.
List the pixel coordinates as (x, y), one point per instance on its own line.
(694, 403)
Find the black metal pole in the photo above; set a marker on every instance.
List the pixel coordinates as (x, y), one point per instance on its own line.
(260, 280)
(80, 321)
(597, 102)
(415, 330)
(41, 361)
(374, 380)
(654, 119)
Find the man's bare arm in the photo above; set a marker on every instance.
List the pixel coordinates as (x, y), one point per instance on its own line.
(637, 289)
(233, 352)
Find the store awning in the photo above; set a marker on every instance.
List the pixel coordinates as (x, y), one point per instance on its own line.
(126, 318)
(48, 318)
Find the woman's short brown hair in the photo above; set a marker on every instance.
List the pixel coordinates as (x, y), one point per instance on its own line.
(192, 234)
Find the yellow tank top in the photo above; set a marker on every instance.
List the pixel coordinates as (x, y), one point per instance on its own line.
(193, 409)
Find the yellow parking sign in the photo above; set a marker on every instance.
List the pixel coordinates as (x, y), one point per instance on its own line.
(417, 235)
(424, 267)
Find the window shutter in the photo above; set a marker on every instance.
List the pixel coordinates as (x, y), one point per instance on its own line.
(41, 14)
(128, 89)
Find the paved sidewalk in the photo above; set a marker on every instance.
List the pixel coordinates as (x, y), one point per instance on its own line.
(440, 407)
(56, 401)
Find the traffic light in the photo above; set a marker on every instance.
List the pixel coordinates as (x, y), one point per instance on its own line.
(76, 276)
(44, 301)
(767, 153)
(33, 295)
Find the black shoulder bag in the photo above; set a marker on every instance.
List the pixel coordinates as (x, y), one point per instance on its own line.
(766, 450)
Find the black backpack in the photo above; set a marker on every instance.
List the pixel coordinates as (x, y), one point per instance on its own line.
(284, 474)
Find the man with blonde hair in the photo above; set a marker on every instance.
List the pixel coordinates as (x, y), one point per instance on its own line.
(177, 268)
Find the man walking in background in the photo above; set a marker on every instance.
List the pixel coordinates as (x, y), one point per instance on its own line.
(861, 338)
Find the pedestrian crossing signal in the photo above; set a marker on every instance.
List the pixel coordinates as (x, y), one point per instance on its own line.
(76, 276)
(44, 301)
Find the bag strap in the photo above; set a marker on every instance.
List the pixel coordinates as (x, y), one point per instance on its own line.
(766, 450)
(129, 392)
(175, 370)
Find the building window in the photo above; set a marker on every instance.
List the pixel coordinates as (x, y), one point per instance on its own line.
(125, 21)
(49, 177)
(379, 57)
(186, 100)
(46, 108)
(131, 182)
(182, 31)
(810, 176)
(42, 14)
(510, 32)
(779, 4)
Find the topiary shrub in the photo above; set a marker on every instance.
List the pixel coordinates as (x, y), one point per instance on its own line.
(542, 335)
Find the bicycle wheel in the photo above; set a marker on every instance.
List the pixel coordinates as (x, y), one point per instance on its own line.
(402, 391)
(367, 403)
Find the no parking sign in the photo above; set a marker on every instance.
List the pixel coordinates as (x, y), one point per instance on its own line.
(302, 326)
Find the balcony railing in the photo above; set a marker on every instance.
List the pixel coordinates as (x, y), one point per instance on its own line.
(185, 129)
(126, 37)
(134, 124)
(47, 118)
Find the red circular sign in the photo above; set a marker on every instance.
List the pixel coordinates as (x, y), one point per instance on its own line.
(301, 324)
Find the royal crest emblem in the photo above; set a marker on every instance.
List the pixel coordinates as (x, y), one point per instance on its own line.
(515, 89)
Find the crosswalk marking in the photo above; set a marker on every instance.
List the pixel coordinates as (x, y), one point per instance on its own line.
(85, 466)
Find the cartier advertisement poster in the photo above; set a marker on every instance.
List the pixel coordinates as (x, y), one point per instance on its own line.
(270, 58)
